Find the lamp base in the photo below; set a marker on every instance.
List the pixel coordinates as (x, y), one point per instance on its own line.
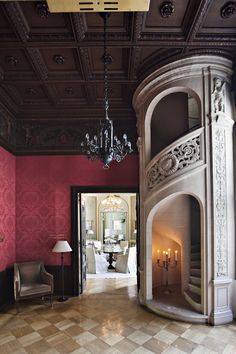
(62, 298)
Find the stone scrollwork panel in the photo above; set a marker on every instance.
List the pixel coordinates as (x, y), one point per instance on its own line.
(220, 203)
(177, 158)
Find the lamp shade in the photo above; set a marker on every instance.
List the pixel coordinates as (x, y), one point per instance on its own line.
(62, 246)
(90, 232)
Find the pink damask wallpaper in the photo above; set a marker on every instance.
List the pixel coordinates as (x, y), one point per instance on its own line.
(7, 209)
(43, 198)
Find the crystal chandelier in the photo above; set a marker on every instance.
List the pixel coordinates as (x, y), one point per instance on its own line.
(111, 203)
(105, 146)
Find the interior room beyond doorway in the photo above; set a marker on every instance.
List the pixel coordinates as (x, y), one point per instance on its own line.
(111, 230)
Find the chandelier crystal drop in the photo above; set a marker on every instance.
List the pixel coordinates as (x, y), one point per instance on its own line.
(105, 146)
(111, 203)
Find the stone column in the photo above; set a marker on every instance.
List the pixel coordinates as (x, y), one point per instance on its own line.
(222, 203)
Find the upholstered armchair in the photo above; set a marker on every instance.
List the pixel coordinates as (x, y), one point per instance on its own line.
(31, 280)
(126, 263)
(96, 263)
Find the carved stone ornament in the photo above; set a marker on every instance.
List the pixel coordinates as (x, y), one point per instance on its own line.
(59, 59)
(176, 159)
(228, 9)
(166, 9)
(13, 61)
(42, 9)
(218, 95)
(168, 165)
(220, 203)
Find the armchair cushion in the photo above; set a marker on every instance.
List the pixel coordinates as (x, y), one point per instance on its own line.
(33, 289)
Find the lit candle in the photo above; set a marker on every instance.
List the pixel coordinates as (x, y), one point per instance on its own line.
(166, 256)
(158, 255)
(176, 255)
(169, 253)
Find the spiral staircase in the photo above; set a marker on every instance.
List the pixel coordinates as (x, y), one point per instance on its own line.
(198, 168)
(178, 161)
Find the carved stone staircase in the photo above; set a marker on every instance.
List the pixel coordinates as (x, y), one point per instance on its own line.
(193, 293)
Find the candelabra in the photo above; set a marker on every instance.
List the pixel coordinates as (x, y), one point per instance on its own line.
(167, 263)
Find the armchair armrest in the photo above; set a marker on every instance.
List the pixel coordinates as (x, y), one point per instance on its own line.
(47, 278)
(16, 282)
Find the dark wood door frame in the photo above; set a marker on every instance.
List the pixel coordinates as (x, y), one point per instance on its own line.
(74, 222)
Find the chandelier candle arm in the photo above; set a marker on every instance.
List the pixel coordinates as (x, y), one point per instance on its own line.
(105, 146)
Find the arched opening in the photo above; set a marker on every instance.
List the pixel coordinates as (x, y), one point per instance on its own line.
(176, 256)
(175, 115)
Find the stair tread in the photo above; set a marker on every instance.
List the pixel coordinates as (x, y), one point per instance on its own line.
(196, 285)
(195, 256)
(194, 289)
(196, 247)
(195, 280)
(195, 277)
(195, 269)
(195, 297)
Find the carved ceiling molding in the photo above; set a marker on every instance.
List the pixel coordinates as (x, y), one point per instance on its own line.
(10, 76)
(111, 37)
(139, 24)
(18, 20)
(8, 101)
(138, 42)
(166, 9)
(199, 15)
(38, 62)
(85, 63)
(134, 62)
(79, 25)
(222, 52)
(228, 9)
(13, 93)
(51, 37)
(164, 39)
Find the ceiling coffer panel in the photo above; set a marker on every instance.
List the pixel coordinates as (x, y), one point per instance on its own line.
(97, 6)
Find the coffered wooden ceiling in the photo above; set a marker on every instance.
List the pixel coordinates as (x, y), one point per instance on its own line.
(51, 69)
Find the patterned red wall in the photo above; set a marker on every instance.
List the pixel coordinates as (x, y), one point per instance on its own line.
(43, 198)
(7, 209)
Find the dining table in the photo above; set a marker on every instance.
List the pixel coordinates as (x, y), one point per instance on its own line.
(111, 250)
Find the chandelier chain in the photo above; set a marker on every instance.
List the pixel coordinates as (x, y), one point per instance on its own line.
(105, 146)
(105, 61)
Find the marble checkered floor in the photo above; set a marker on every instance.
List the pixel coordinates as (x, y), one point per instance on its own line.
(106, 319)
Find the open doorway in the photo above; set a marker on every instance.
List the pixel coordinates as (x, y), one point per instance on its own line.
(105, 234)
